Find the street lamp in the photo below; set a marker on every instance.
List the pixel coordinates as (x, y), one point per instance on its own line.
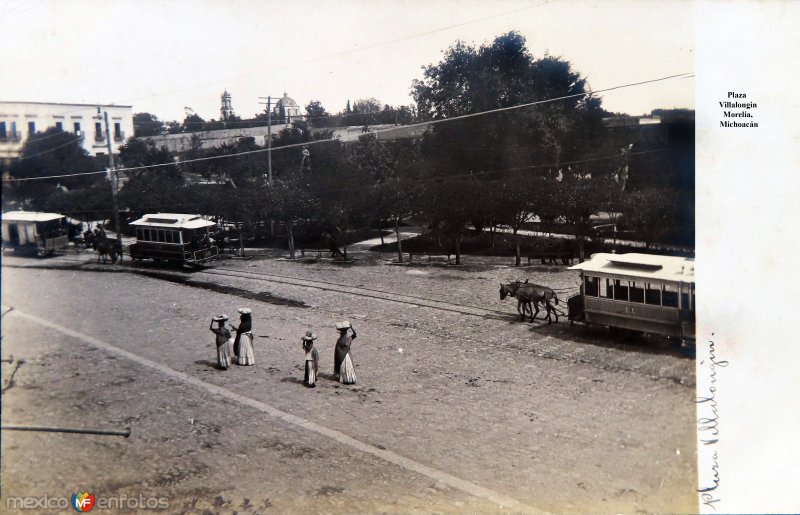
(306, 154)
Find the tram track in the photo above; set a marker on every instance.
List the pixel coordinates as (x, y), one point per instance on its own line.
(361, 291)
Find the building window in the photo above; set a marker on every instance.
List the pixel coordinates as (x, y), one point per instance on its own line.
(59, 126)
(3, 134)
(31, 128)
(98, 132)
(118, 131)
(77, 127)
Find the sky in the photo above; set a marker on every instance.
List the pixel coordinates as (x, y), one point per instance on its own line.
(161, 56)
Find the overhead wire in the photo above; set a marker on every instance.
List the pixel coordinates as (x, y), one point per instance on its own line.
(401, 127)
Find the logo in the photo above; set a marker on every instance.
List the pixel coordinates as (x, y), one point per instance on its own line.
(82, 502)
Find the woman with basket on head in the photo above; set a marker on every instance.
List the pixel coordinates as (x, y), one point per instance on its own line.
(342, 363)
(311, 359)
(243, 344)
(224, 341)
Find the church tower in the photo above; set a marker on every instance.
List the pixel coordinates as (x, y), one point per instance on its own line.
(226, 111)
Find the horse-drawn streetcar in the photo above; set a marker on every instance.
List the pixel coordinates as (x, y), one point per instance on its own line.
(175, 238)
(35, 233)
(639, 292)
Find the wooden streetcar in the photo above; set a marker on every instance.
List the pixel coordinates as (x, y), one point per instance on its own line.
(35, 233)
(174, 238)
(645, 293)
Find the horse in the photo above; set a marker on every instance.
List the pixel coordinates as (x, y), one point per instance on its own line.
(107, 248)
(531, 295)
(511, 290)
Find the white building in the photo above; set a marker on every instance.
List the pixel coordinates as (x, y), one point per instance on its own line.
(19, 120)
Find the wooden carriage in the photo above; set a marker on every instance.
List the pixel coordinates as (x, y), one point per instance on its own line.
(35, 233)
(175, 238)
(640, 292)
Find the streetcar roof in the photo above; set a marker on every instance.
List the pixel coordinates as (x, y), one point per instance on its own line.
(649, 266)
(30, 216)
(173, 220)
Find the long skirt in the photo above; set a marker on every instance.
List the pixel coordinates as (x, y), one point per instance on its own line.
(246, 355)
(347, 373)
(224, 354)
(310, 378)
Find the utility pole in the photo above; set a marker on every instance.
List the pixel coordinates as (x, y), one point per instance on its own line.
(269, 138)
(114, 178)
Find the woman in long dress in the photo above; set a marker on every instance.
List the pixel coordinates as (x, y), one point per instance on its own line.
(243, 344)
(223, 341)
(245, 326)
(342, 362)
(311, 359)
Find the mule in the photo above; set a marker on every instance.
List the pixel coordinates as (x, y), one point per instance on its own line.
(522, 302)
(107, 249)
(531, 295)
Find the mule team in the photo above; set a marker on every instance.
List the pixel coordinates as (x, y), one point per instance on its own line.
(529, 296)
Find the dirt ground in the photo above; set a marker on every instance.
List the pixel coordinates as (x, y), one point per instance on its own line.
(559, 418)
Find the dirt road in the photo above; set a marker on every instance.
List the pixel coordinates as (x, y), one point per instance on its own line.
(452, 412)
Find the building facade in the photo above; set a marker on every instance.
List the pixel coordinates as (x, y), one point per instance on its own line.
(19, 120)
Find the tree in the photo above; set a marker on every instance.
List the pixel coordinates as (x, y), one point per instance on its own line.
(193, 123)
(652, 212)
(317, 114)
(157, 187)
(146, 124)
(289, 203)
(500, 75)
(397, 199)
(51, 153)
(580, 196)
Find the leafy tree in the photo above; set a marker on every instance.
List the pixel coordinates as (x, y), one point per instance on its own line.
(193, 123)
(395, 200)
(174, 127)
(291, 202)
(148, 189)
(51, 153)
(500, 75)
(146, 124)
(579, 197)
(317, 115)
(652, 212)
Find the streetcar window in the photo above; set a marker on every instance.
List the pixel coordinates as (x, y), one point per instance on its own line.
(604, 288)
(138, 233)
(685, 300)
(669, 296)
(591, 286)
(168, 236)
(146, 234)
(620, 291)
(652, 295)
(637, 294)
(160, 234)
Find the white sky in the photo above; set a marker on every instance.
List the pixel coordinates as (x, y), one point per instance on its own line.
(160, 56)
